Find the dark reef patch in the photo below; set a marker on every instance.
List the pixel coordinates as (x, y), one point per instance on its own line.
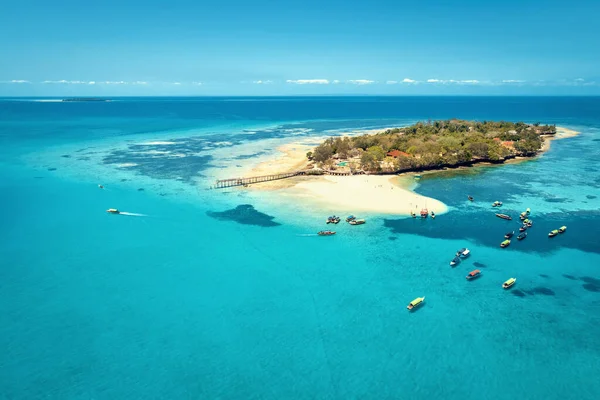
(544, 276)
(140, 189)
(571, 277)
(392, 238)
(518, 293)
(66, 156)
(51, 169)
(38, 177)
(124, 180)
(556, 200)
(591, 284)
(244, 214)
(542, 290)
(589, 196)
(248, 156)
(479, 265)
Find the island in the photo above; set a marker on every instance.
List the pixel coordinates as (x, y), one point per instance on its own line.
(430, 146)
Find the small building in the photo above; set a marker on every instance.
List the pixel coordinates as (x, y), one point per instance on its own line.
(509, 144)
(397, 154)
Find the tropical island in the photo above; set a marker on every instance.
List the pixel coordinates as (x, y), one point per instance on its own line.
(429, 146)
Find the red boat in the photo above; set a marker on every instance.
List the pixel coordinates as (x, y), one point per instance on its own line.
(424, 213)
(473, 274)
(504, 216)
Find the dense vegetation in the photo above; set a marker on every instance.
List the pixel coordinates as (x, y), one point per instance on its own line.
(428, 145)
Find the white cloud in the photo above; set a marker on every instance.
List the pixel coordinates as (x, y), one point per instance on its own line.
(65, 82)
(579, 80)
(19, 81)
(360, 81)
(309, 81)
(408, 80)
(176, 83)
(139, 83)
(197, 83)
(434, 81)
(391, 82)
(335, 82)
(260, 82)
(91, 83)
(512, 81)
(114, 82)
(470, 81)
(462, 82)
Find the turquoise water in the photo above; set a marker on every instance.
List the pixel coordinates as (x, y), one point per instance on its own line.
(201, 298)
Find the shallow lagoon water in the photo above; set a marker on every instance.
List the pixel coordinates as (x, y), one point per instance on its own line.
(251, 304)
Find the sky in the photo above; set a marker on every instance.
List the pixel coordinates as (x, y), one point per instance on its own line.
(291, 47)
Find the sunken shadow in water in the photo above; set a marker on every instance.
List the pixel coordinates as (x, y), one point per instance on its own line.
(244, 214)
(532, 292)
(591, 284)
(479, 265)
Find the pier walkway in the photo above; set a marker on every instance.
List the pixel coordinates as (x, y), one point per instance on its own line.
(225, 183)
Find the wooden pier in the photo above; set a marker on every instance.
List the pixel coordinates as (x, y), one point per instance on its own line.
(225, 183)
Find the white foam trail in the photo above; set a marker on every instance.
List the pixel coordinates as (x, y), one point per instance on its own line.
(307, 234)
(132, 214)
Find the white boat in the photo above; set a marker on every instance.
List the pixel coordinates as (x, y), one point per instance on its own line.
(466, 253)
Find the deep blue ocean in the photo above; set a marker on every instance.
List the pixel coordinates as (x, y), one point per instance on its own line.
(208, 294)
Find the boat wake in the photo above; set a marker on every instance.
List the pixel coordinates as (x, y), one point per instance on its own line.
(307, 234)
(132, 214)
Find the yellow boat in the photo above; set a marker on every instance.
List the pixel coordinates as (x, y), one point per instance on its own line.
(113, 211)
(562, 229)
(415, 303)
(509, 283)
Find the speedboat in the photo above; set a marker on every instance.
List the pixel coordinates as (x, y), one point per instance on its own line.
(465, 253)
(474, 274)
(504, 216)
(350, 218)
(432, 215)
(528, 211)
(424, 213)
(553, 233)
(455, 261)
(505, 243)
(562, 229)
(509, 283)
(470, 198)
(113, 211)
(326, 233)
(529, 223)
(357, 221)
(522, 235)
(523, 215)
(509, 235)
(459, 252)
(497, 204)
(415, 303)
(523, 228)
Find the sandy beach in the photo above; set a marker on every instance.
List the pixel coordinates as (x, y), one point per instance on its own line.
(561, 133)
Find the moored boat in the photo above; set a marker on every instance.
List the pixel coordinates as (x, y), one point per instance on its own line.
(509, 235)
(465, 253)
(474, 274)
(424, 213)
(460, 251)
(432, 215)
(522, 235)
(326, 233)
(333, 219)
(455, 261)
(529, 223)
(357, 222)
(522, 216)
(523, 228)
(505, 243)
(415, 303)
(553, 233)
(528, 211)
(497, 204)
(350, 218)
(470, 198)
(100, 187)
(509, 283)
(504, 216)
(113, 211)
(562, 229)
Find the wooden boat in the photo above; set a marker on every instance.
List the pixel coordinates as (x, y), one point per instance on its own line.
(529, 223)
(470, 198)
(509, 283)
(553, 233)
(562, 229)
(522, 235)
(504, 216)
(497, 204)
(509, 235)
(415, 303)
(473, 274)
(326, 233)
(523, 228)
(504, 244)
(455, 261)
(113, 211)
(424, 213)
(357, 221)
(523, 215)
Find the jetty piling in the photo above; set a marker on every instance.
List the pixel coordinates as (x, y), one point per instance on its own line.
(225, 183)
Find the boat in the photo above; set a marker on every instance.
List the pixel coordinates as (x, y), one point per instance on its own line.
(509, 283)
(424, 213)
(470, 198)
(415, 303)
(460, 251)
(326, 233)
(522, 235)
(333, 220)
(100, 186)
(562, 229)
(505, 243)
(528, 222)
(509, 235)
(357, 221)
(113, 211)
(504, 216)
(455, 261)
(497, 204)
(528, 211)
(412, 214)
(553, 233)
(350, 218)
(474, 274)
(432, 215)
(523, 228)
(523, 215)
(465, 253)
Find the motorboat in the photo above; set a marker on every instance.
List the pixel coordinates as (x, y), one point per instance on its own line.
(497, 204)
(523, 215)
(509, 235)
(528, 211)
(509, 283)
(460, 251)
(113, 211)
(529, 223)
(100, 187)
(522, 235)
(523, 228)
(474, 274)
(326, 233)
(465, 253)
(504, 244)
(350, 218)
(432, 215)
(504, 216)
(333, 220)
(562, 229)
(470, 198)
(553, 233)
(455, 261)
(415, 303)
(357, 221)
(424, 213)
